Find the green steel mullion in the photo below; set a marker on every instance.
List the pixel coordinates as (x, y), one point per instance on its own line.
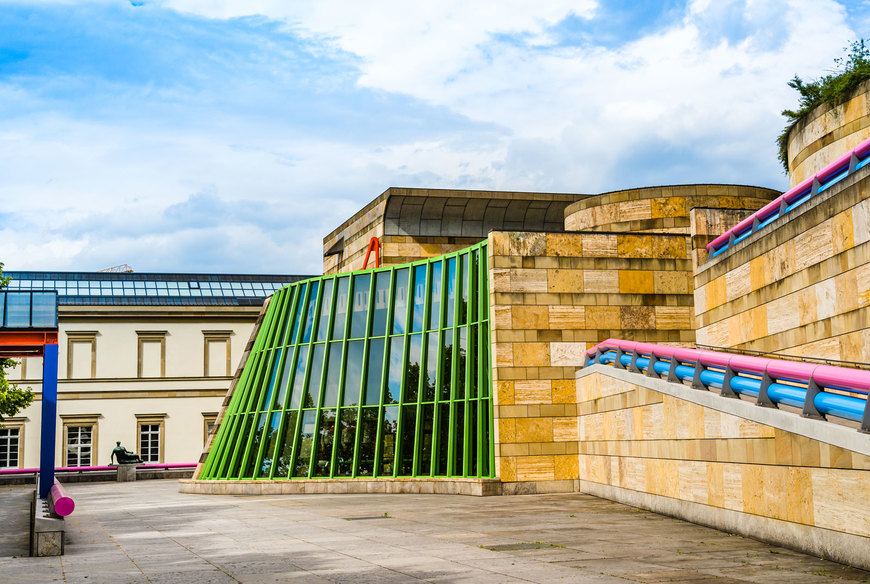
(424, 358)
(333, 457)
(454, 369)
(288, 305)
(409, 308)
(315, 441)
(481, 420)
(294, 452)
(384, 374)
(466, 421)
(365, 369)
(436, 416)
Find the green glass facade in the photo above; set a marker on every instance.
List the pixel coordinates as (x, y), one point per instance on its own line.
(377, 373)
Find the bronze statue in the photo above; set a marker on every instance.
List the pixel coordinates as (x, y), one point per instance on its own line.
(124, 456)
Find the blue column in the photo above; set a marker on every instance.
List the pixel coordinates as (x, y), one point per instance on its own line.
(49, 420)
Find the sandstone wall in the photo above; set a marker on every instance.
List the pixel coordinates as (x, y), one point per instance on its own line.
(801, 286)
(827, 133)
(656, 450)
(552, 295)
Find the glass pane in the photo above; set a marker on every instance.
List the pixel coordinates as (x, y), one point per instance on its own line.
(281, 338)
(431, 367)
(309, 318)
(458, 439)
(44, 310)
(258, 437)
(299, 377)
(325, 309)
(435, 307)
(463, 288)
(472, 362)
(396, 371)
(375, 371)
(346, 441)
(340, 309)
(271, 439)
(285, 451)
(305, 442)
(382, 293)
(443, 438)
(298, 316)
(312, 395)
(267, 401)
(389, 428)
(426, 426)
(324, 443)
(360, 308)
(412, 368)
(459, 385)
(353, 373)
(409, 427)
(368, 434)
(419, 298)
(400, 301)
(446, 363)
(472, 436)
(241, 445)
(284, 383)
(18, 309)
(333, 374)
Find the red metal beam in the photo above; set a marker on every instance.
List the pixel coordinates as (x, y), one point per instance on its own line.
(25, 343)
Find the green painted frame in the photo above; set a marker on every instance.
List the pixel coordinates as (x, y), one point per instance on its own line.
(439, 425)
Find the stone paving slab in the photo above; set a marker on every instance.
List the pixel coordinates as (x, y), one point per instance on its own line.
(146, 532)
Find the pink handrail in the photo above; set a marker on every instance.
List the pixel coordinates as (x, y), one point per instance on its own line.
(861, 152)
(146, 466)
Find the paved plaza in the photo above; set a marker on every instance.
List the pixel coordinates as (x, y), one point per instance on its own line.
(146, 532)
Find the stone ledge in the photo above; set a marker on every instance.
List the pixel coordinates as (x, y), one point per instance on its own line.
(437, 486)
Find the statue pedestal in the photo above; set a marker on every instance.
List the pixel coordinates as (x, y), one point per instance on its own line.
(126, 472)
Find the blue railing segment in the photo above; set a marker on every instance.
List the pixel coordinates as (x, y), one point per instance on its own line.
(770, 382)
(835, 172)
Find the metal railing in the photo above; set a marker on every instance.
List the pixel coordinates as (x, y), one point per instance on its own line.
(84, 469)
(827, 177)
(818, 390)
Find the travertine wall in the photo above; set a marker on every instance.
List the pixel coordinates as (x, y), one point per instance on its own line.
(827, 133)
(660, 209)
(647, 442)
(801, 286)
(552, 295)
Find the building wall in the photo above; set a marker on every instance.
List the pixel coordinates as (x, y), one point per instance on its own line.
(800, 286)
(181, 399)
(552, 296)
(827, 133)
(650, 448)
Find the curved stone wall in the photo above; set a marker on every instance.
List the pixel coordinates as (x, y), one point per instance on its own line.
(660, 209)
(827, 133)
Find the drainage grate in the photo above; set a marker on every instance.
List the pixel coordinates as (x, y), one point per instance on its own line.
(510, 547)
(367, 518)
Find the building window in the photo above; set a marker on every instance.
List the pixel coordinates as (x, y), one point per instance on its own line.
(152, 354)
(80, 439)
(79, 445)
(208, 422)
(10, 445)
(81, 355)
(150, 433)
(217, 356)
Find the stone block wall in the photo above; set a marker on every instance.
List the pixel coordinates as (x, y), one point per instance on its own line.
(801, 286)
(660, 209)
(551, 296)
(653, 449)
(827, 133)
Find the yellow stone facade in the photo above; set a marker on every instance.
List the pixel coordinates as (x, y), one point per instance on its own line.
(827, 133)
(803, 289)
(639, 439)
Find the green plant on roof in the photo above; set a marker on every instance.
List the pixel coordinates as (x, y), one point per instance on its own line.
(833, 89)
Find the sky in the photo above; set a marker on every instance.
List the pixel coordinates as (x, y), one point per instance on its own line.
(231, 136)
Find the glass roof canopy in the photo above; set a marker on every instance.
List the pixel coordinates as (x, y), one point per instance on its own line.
(141, 288)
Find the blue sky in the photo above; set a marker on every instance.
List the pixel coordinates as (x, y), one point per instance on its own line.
(215, 135)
